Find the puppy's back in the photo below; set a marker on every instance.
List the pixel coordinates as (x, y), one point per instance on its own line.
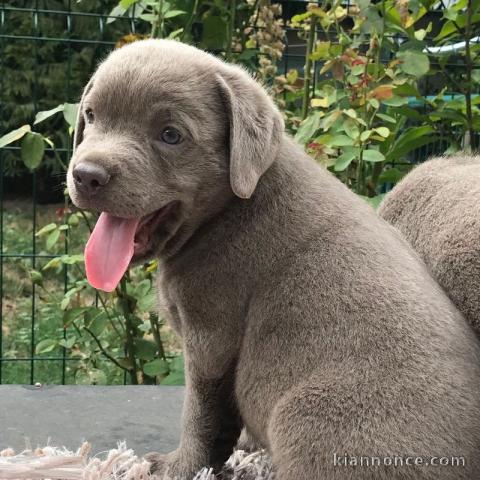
(437, 208)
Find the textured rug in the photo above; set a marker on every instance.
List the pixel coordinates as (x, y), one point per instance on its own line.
(53, 463)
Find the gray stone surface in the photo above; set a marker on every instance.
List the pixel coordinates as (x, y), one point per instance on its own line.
(147, 417)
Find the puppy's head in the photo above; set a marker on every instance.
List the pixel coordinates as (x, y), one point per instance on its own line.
(166, 134)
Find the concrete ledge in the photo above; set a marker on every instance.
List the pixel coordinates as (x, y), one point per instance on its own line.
(147, 417)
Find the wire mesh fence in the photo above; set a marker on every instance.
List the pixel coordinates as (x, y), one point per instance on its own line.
(48, 49)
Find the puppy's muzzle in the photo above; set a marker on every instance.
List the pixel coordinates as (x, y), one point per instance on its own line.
(90, 178)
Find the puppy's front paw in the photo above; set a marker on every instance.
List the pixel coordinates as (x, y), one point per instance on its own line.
(159, 464)
(166, 467)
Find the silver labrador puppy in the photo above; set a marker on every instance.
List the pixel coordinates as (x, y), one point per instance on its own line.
(304, 317)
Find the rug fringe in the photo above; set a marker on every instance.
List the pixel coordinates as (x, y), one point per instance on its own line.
(53, 463)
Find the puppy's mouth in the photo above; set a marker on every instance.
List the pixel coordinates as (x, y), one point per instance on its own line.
(115, 241)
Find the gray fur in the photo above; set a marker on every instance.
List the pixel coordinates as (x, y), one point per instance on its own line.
(304, 316)
(437, 208)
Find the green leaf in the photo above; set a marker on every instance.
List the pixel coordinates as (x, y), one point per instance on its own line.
(414, 62)
(392, 175)
(142, 288)
(308, 128)
(411, 139)
(350, 112)
(71, 315)
(174, 13)
(449, 114)
(395, 101)
(126, 4)
(46, 346)
(53, 263)
(46, 229)
(386, 118)
(148, 302)
(345, 159)
(67, 342)
(177, 372)
(148, 17)
(450, 14)
(70, 113)
(351, 128)
(321, 52)
(72, 259)
(32, 150)
(214, 32)
(73, 220)
(52, 239)
(36, 277)
(117, 11)
(373, 156)
(407, 90)
(382, 131)
(14, 135)
(340, 141)
(329, 120)
(156, 367)
(98, 324)
(176, 33)
(450, 27)
(365, 135)
(145, 349)
(300, 17)
(174, 378)
(41, 116)
(403, 113)
(420, 34)
(476, 75)
(459, 5)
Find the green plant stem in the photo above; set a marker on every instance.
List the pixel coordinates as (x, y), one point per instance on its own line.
(59, 159)
(377, 169)
(107, 313)
(246, 23)
(189, 24)
(105, 308)
(156, 334)
(104, 352)
(129, 330)
(469, 67)
(308, 67)
(157, 24)
(87, 222)
(231, 29)
(360, 166)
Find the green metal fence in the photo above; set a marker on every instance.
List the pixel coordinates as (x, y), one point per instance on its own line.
(39, 34)
(47, 51)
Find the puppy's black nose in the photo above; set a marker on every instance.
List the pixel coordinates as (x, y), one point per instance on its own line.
(90, 178)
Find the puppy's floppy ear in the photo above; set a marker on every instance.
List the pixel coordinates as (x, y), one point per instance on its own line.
(256, 129)
(80, 122)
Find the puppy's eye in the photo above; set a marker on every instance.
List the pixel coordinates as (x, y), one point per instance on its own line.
(171, 136)
(89, 114)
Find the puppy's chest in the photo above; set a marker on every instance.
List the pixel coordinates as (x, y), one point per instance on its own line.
(188, 302)
(167, 304)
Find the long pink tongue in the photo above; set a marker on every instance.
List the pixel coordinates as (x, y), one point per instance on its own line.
(109, 250)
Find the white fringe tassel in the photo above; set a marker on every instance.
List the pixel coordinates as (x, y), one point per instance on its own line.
(52, 463)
